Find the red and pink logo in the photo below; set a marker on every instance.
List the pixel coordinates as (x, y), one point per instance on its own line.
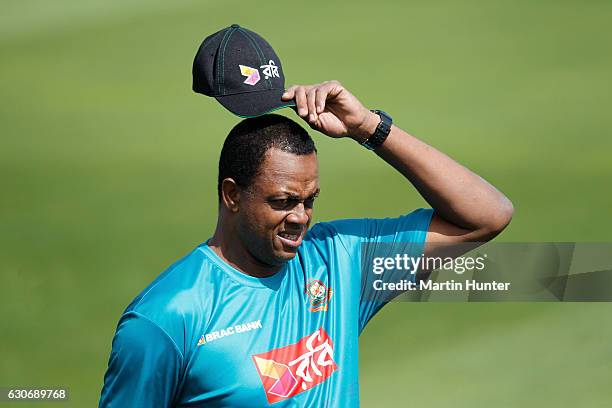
(296, 368)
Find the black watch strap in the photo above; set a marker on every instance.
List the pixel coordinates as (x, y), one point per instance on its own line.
(382, 131)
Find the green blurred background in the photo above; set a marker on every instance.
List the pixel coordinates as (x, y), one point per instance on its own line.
(108, 168)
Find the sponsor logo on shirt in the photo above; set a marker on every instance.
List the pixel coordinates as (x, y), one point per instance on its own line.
(290, 370)
(229, 331)
(318, 295)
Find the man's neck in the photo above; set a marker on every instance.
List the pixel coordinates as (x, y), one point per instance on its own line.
(238, 256)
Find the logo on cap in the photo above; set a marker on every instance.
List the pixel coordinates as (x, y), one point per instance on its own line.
(252, 75)
(270, 70)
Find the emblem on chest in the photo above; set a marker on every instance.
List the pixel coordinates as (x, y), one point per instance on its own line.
(318, 295)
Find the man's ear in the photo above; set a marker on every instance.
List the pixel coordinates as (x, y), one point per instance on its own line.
(230, 195)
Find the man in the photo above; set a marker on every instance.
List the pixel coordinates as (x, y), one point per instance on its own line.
(267, 311)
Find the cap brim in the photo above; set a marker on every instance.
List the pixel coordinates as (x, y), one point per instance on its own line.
(252, 104)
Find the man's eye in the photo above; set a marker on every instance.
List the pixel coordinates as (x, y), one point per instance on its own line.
(282, 203)
(288, 203)
(309, 202)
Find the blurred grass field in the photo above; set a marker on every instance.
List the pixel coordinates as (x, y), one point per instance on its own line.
(108, 168)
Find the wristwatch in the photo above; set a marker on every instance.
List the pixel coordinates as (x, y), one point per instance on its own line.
(381, 132)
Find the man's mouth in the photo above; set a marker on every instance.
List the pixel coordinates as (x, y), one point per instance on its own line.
(289, 236)
(291, 239)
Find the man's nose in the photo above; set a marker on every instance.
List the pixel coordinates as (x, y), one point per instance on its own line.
(298, 215)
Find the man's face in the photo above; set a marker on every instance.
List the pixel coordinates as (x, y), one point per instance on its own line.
(276, 210)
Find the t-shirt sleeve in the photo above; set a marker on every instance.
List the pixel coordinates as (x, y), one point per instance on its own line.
(144, 365)
(367, 239)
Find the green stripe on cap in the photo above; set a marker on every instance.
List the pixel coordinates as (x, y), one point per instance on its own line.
(221, 62)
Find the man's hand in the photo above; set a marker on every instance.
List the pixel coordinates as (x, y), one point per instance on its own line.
(333, 110)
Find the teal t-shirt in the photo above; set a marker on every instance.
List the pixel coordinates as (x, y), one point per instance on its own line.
(204, 334)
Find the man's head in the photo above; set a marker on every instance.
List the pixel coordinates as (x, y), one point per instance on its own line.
(268, 180)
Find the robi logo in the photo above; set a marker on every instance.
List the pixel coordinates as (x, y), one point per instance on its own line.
(290, 370)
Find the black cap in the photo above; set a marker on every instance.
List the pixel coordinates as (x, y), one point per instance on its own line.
(241, 70)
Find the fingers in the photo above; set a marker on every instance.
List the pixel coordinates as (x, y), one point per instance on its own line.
(296, 92)
(320, 98)
(300, 101)
(334, 88)
(310, 103)
(311, 100)
(300, 94)
(289, 93)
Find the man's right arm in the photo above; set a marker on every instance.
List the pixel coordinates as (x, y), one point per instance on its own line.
(144, 365)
